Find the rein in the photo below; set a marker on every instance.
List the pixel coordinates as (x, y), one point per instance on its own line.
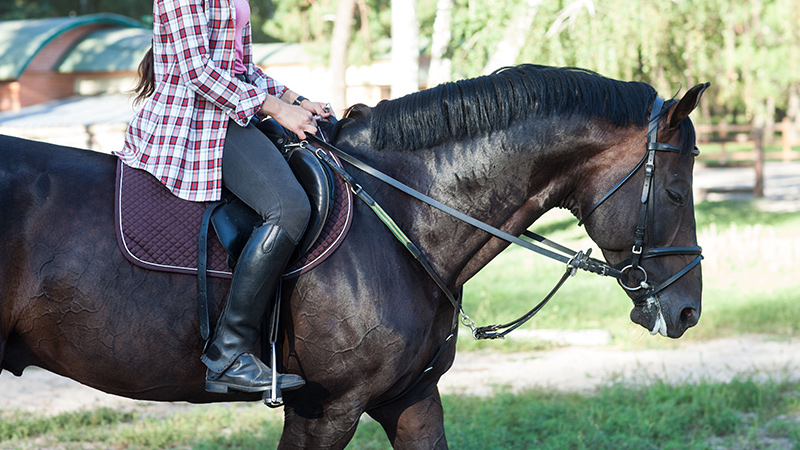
(573, 260)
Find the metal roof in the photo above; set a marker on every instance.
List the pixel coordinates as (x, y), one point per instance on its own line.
(21, 40)
(108, 50)
(98, 109)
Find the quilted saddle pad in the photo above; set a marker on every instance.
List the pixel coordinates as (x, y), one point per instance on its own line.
(159, 231)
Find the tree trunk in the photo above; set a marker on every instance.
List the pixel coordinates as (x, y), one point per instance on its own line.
(793, 113)
(340, 41)
(509, 47)
(405, 47)
(439, 69)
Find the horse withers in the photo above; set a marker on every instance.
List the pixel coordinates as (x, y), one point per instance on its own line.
(363, 327)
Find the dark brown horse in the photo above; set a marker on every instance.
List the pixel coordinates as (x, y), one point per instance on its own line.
(362, 327)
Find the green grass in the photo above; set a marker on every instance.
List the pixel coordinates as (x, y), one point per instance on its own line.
(740, 414)
(217, 426)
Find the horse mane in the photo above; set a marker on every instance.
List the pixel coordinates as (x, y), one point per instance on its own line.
(476, 106)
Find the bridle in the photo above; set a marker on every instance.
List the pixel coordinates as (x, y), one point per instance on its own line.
(646, 218)
(573, 260)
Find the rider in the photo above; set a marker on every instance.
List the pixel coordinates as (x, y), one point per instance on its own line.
(195, 132)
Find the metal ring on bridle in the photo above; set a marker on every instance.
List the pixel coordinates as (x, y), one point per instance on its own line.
(642, 284)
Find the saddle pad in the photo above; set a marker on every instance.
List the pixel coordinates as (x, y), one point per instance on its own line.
(159, 231)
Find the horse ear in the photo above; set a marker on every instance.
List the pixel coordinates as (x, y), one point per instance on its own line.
(687, 104)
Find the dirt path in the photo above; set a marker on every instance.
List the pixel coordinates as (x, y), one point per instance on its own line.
(584, 368)
(479, 373)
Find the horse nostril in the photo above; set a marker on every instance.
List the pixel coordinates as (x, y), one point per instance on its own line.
(689, 317)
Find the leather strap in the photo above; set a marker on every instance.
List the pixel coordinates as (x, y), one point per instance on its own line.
(202, 275)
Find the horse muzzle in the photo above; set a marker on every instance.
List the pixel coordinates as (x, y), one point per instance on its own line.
(658, 317)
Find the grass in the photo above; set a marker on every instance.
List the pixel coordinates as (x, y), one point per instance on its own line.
(739, 414)
(217, 426)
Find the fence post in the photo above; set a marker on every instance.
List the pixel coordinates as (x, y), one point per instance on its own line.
(723, 137)
(758, 137)
(787, 136)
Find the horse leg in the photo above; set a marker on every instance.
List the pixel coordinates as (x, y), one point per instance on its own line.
(414, 421)
(328, 426)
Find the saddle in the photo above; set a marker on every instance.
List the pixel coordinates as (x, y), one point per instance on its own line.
(160, 231)
(233, 220)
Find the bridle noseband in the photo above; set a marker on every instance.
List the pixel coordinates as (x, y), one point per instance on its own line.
(646, 217)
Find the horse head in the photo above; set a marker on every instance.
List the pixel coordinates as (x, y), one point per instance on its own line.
(644, 224)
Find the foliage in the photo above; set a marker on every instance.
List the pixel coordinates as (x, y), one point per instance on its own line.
(29, 9)
(750, 51)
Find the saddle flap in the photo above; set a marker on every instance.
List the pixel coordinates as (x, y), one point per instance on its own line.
(317, 181)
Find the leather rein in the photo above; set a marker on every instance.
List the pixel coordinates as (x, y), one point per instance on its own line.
(532, 241)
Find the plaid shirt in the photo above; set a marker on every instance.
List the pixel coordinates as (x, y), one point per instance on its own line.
(178, 134)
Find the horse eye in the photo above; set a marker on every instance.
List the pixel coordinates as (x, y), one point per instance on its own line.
(675, 197)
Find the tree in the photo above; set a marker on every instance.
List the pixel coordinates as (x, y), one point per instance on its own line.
(439, 68)
(339, 43)
(508, 49)
(405, 48)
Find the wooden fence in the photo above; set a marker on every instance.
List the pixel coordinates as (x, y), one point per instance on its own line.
(755, 138)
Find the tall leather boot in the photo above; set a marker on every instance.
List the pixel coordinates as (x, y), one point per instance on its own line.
(229, 356)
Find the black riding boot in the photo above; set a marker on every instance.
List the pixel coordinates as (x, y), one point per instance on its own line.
(232, 363)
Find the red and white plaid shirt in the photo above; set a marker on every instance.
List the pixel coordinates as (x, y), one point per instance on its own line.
(178, 134)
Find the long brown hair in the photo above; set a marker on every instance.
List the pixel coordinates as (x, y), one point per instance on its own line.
(146, 83)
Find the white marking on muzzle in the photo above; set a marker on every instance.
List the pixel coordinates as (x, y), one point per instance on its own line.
(660, 326)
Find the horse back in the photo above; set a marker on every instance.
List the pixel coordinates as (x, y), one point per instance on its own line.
(42, 186)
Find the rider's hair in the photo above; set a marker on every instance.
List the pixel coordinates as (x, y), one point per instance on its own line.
(146, 83)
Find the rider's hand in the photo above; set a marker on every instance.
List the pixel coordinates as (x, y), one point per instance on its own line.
(320, 110)
(294, 118)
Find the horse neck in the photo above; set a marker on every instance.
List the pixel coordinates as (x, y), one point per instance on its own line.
(507, 179)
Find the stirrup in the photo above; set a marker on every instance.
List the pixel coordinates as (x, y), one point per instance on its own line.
(273, 397)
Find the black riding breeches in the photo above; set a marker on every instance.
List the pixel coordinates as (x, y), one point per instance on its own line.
(256, 172)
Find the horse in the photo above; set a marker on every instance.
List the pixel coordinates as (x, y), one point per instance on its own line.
(363, 327)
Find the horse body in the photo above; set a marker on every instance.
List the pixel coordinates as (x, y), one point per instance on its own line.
(363, 326)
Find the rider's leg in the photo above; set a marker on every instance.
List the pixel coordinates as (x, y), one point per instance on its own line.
(256, 172)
